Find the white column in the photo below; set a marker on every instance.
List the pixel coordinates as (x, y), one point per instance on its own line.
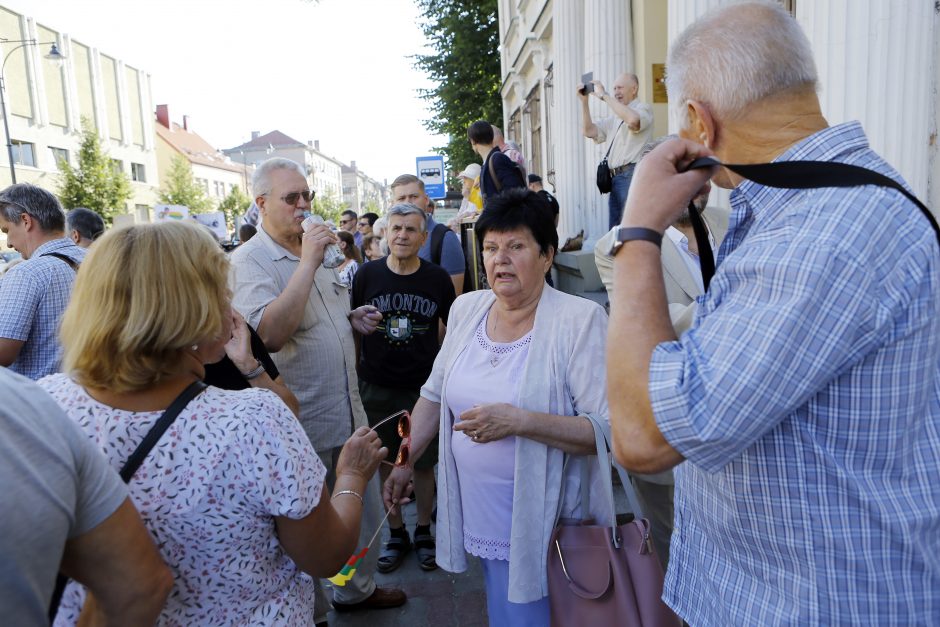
(608, 52)
(876, 64)
(571, 181)
(71, 91)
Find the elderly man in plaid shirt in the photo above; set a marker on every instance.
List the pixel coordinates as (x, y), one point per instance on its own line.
(806, 395)
(33, 294)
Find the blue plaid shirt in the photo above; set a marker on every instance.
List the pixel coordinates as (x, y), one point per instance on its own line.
(33, 295)
(805, 399)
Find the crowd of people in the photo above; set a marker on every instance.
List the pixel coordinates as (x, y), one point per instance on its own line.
(198, 438)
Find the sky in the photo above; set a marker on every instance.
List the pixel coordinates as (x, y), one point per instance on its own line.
(337, 71)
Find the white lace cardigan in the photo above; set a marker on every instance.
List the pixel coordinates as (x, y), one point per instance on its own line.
(565, 374)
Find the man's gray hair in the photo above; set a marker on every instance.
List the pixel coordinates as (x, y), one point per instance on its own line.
(261, 179)
(407, 209)
(40, 205)
(735, 56)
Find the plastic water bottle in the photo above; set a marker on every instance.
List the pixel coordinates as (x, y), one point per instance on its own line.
(333, 257)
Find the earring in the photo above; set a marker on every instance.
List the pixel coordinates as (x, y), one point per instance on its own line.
(195, 347)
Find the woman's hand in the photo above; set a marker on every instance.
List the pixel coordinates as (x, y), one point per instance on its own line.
(490, 422)
(361, 454)
(397, 486)
(238, 348)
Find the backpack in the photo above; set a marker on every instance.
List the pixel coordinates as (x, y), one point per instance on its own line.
(437, 246)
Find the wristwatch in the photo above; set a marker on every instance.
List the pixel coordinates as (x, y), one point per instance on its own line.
(626, 233)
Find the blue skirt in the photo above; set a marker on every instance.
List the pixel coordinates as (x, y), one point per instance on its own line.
(503, 613)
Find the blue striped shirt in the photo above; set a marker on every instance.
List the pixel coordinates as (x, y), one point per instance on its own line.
(805, 399)
(33, 295)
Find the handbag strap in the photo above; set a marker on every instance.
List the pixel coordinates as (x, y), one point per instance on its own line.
(159, 428)
(795, 175)
(492, 169)
(602, 442)
(607, 154)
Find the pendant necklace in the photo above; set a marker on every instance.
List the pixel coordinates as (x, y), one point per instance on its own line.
(494, 360)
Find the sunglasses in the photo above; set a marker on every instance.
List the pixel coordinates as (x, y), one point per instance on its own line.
(292, 198)
(364, 223)
(404, 432)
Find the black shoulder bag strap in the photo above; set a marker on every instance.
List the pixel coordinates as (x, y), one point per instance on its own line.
(71, 262)
(437, 242)
(135, 460)
(794, 175)
(607, 154)
(159, 428)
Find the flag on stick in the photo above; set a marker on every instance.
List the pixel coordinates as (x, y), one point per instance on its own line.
(349, 568)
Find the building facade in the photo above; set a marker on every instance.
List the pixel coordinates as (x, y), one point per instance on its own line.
(324, 173)
(46, 103)
(877, 63)
(361, 193)
(215, 172)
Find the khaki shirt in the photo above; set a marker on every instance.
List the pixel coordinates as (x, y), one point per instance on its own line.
(627, 144)
(318, 363)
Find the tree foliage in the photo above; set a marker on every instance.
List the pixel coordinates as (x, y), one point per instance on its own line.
(95, 183)
(465, 67)
(180, 188)
(235, 204)
(329, 207)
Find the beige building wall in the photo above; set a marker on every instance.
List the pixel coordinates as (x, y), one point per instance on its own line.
(46, 102)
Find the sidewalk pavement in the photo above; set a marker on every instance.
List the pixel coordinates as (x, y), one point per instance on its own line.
(435, 598)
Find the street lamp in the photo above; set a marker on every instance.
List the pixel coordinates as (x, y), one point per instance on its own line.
(53, 55)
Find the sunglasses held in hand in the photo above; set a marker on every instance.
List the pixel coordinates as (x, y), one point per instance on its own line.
(404, 431)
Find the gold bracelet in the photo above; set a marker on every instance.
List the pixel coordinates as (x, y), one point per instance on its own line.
(342, 492)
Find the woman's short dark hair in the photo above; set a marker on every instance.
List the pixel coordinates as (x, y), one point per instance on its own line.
(518, 207)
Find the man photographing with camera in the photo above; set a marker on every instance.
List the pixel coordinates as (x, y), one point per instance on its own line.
(626, 130)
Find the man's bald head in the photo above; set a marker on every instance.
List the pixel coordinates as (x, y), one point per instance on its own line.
(625, 88)
(735, 56)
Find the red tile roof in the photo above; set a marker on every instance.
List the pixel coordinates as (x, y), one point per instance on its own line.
(195, 148)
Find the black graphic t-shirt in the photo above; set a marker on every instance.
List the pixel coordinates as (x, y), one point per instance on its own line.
(401, 352)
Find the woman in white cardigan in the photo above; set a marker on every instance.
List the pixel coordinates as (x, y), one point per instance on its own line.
(519, 364)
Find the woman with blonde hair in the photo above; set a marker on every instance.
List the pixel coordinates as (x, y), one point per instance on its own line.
(233, 492)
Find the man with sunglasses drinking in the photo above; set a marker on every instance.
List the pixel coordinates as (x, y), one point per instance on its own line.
(301, 311)
(414, 297)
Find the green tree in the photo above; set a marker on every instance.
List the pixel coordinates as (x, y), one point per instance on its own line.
(329, 207)
(235, 204)
(180, 188)
(372, 206)
(465, 68)
(95, 183)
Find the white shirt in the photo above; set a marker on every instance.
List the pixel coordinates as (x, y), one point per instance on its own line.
(692, 261)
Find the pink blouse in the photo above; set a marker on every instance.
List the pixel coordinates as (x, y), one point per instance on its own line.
(486, 372)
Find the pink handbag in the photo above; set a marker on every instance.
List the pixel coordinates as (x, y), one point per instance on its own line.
(606, 575)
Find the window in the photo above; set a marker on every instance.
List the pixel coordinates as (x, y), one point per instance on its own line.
(533, 112)
(23, 153)
(58, 156)
(117, 165)
(138, 172)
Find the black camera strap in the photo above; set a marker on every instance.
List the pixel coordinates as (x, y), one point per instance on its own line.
(794, 175)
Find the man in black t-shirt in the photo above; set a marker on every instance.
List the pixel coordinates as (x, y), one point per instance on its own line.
(414, 297)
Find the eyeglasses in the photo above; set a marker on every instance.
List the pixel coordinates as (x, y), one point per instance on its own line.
(345, 220)
(404, 432)
(291, 199)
